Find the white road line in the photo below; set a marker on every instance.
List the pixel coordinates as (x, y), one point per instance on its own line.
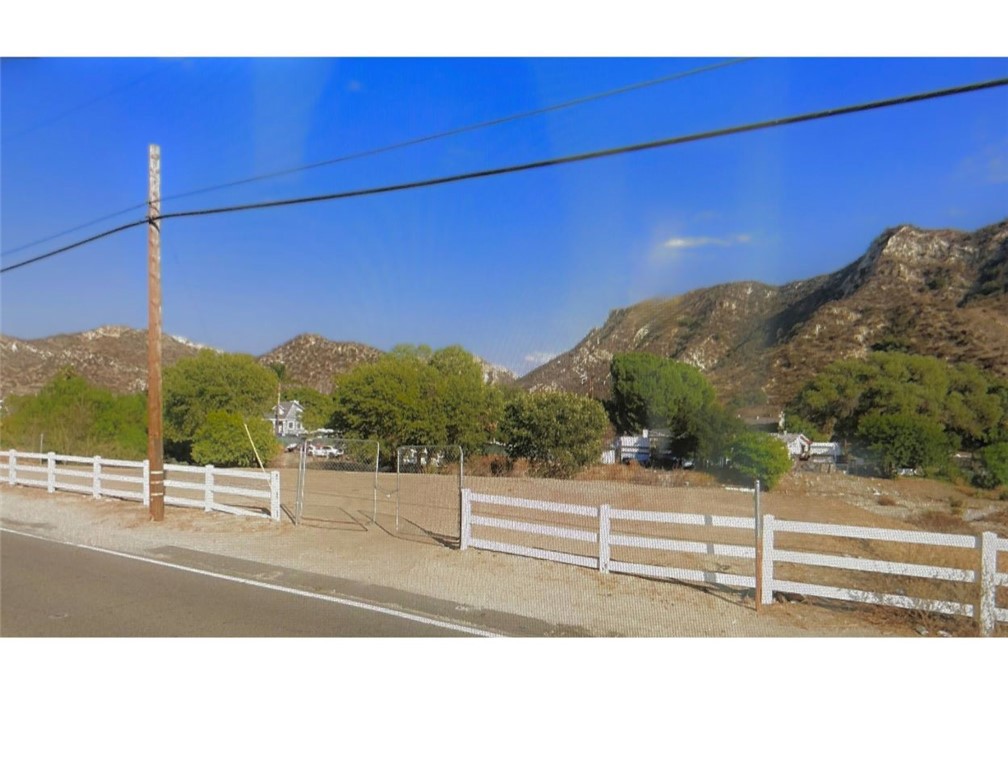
(272, 587)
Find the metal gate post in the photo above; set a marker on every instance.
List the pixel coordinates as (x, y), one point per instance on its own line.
(299, 491)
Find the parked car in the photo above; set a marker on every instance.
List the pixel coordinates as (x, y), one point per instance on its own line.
(329, 452)
(292, 446)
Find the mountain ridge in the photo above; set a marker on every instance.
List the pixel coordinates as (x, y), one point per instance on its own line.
(114, 356)
(942, 292)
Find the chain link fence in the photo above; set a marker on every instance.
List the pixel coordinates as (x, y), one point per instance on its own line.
(429, 480)
(337, 483)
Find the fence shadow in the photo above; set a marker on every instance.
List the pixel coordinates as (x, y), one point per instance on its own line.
(421, 535)
(349, 524)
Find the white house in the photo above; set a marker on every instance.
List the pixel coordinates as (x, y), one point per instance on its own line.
(286, 419)
(798, 445)
(633, 448)
(825, 452)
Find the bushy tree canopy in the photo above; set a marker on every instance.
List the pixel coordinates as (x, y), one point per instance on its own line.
(994, 460)
(558, 432)
(969, 405)
(417, 395)
(221, 441)
(196, 386)
(758, 455)
(649, 391)
(71, 416)
(904, 440)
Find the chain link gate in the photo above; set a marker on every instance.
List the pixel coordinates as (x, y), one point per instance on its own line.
(337, 483)
(429, 480)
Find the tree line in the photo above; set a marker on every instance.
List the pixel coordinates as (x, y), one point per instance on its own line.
(910, 411)
(907, 411)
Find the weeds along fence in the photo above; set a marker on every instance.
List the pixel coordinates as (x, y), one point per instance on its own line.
(928, 572)
(219, 489)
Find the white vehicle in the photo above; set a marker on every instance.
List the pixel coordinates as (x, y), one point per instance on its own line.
(324, 450)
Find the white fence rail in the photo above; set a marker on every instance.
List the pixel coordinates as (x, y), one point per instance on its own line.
(600, 543)
(101, 477)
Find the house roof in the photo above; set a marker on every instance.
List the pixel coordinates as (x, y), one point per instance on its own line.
(286, 407)
(792, 437)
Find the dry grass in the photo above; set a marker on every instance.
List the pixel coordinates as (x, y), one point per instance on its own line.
(634, 473)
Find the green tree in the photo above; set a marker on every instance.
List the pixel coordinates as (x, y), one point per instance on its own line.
(758, 455)
(558, 432)
(794, 423)
(904, 440)
(653, 392)
(392, 400)
(994, 459)
(970, 406)
(221, 440)
(416, 395)
(196, 386)
(71, 416)
(470, 408)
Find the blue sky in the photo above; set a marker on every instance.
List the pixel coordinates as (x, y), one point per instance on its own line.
(514, 268)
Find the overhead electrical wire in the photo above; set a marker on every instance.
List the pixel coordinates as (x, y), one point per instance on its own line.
(540, 164)
(80, 106)
(397, 145)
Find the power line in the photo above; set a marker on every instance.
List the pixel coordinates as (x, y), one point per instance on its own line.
(540, 164)
(398, 145)
(73, 109)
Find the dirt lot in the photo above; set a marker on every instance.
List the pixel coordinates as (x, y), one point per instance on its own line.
(350, 530)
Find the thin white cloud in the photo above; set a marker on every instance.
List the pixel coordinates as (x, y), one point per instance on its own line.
(538, 357)
(693, 242)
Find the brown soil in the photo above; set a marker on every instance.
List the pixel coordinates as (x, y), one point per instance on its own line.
(402, 532)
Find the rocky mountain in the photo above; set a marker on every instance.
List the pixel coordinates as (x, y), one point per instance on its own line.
(114, 357)
(937, 292)
(311, 360)
(496, 374)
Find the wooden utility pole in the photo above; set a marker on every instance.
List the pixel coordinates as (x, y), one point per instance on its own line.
(155, 443)
(758, 591)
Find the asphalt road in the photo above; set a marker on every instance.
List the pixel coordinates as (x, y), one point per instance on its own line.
(53, 589)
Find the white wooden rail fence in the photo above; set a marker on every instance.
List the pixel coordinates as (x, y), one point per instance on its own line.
(986, 578)
(98, 482)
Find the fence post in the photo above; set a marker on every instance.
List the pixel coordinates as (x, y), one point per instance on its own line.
(465, 523)
(96, 478)
(758, 547)
(604, 524)
(275, 495)
(51, 464)
(208, 485)
(12, 464)
(767, 558)
(146, 482)
(988, 590)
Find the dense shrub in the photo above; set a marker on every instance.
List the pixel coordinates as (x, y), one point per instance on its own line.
(558, 432)
(758, 455)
